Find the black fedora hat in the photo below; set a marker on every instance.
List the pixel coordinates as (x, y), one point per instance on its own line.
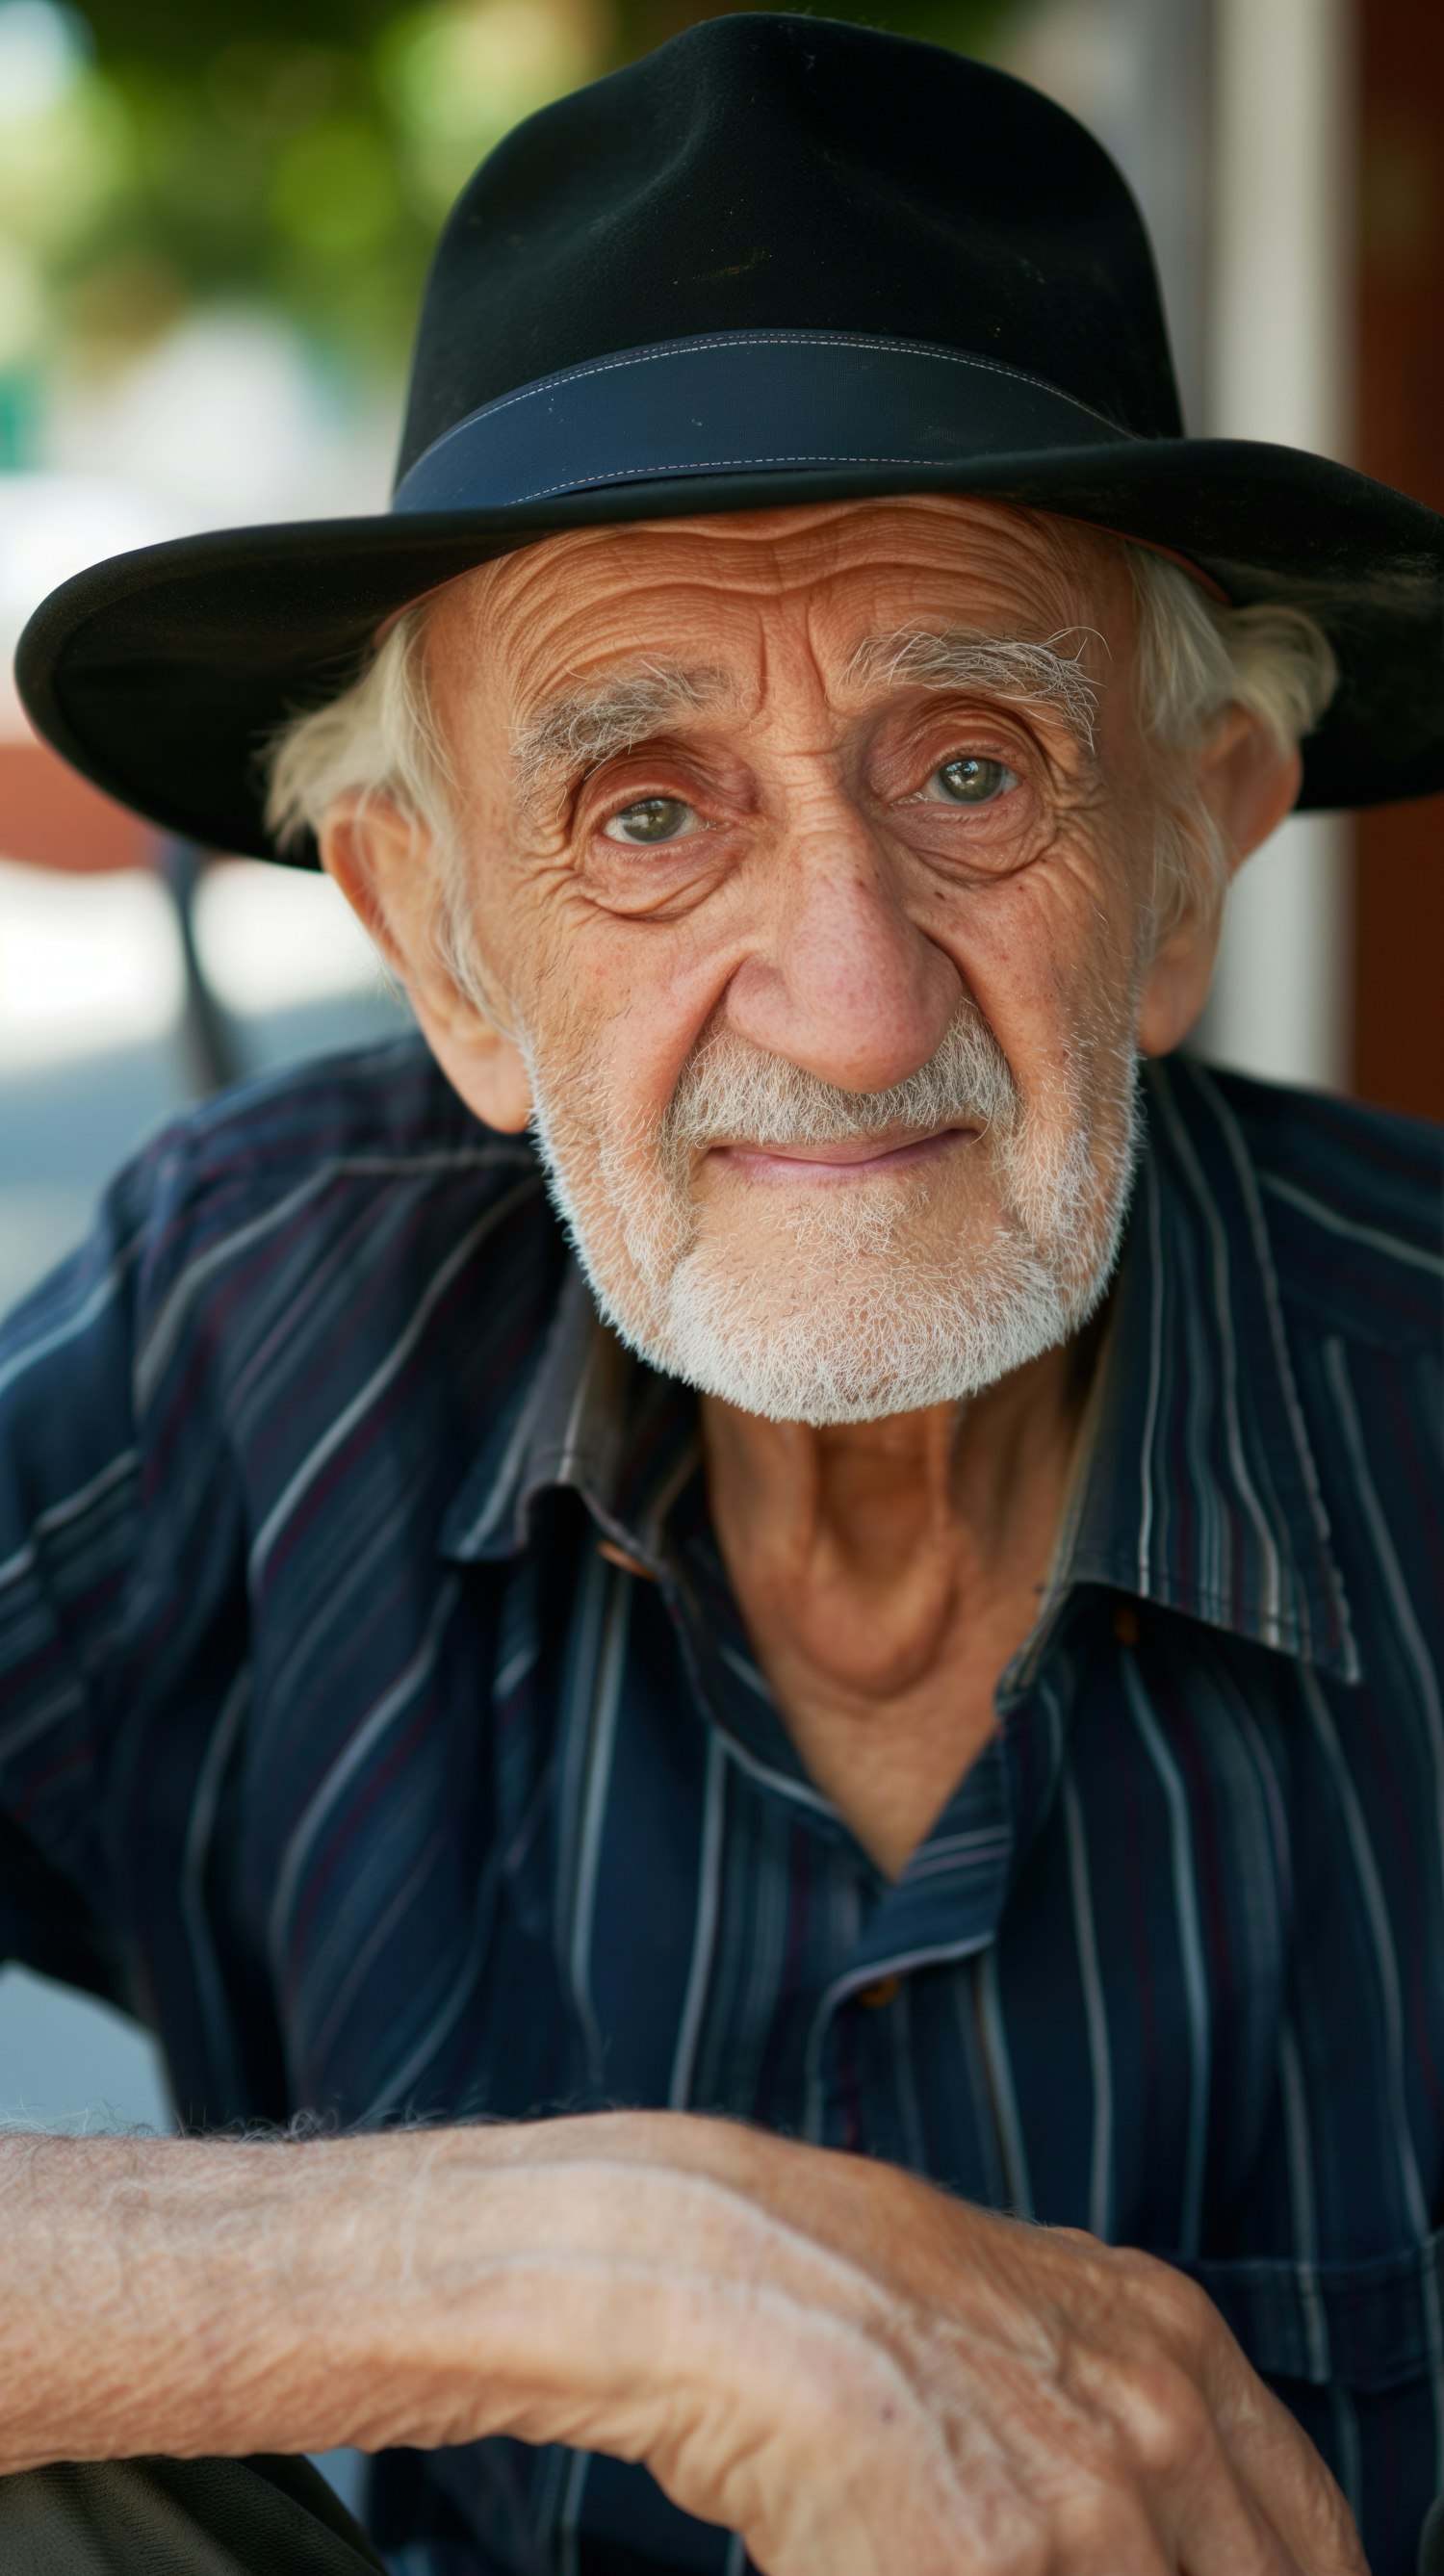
(781, 259)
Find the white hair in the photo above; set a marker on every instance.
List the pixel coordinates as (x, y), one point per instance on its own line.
(1196, 656)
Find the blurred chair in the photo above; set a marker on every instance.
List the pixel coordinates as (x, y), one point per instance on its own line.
(50, 817)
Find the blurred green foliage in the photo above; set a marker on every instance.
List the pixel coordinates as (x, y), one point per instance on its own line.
(300, 152)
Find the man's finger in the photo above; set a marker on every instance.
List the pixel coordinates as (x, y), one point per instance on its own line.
(1282, 2473)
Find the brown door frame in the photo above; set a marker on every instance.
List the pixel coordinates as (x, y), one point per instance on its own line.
(1398, 926)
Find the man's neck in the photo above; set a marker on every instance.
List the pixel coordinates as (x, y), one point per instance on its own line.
(887, 1572)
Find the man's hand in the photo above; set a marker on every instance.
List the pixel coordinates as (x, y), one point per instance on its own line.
(870, 2379)
(861, 2375)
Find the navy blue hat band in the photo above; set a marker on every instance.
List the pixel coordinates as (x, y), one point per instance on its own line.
(743, 401)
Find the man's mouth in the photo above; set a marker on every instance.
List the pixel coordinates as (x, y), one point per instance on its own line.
(851, 1159)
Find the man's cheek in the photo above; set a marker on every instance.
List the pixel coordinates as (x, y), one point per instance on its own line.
(1046, 979)
(638, 1040)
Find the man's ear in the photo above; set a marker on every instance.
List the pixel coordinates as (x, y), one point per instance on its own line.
(1249, 780)
(385, 865)
(1248, 783)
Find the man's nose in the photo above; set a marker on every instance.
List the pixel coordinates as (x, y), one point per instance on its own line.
(843, 980)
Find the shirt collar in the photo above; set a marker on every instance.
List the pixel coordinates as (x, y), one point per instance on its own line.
(589, 1416)
(1196, 1486)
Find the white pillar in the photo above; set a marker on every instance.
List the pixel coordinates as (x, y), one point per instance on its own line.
(1279, 359)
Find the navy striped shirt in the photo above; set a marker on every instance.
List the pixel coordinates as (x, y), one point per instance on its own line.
(333, 1747)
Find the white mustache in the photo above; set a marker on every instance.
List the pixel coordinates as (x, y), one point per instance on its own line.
(728, 1090)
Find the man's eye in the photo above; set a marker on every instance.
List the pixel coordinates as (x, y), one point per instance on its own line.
(652, 818)
(969, 780)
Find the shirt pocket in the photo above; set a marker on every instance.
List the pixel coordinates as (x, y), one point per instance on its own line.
(1365, 2326)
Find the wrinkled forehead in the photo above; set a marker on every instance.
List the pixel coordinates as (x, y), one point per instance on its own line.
(727, 588)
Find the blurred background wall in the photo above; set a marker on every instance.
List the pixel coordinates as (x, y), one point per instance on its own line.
(213, 227)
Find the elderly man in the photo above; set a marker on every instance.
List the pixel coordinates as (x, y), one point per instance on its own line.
(745, 1649)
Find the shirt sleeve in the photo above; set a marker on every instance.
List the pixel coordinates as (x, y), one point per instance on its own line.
(85, 1594)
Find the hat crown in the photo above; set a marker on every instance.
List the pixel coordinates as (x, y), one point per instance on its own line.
(766, 172)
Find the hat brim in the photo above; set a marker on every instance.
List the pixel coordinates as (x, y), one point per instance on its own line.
(163, 674)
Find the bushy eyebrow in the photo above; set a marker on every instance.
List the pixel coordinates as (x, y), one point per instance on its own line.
(582, 727)
(999, 666)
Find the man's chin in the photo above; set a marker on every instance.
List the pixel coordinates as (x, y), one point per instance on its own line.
(809, 1218)
(857, 1350)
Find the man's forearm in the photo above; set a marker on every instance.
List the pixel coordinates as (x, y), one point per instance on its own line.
(194, 2296)
(588, 2281)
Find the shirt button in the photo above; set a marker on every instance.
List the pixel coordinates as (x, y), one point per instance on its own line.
(619, 1556)
(881, 1991)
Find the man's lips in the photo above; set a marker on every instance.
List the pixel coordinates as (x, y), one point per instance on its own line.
(855, 1159)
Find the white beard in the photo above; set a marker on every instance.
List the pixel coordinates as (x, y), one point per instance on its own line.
(866, 1307)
